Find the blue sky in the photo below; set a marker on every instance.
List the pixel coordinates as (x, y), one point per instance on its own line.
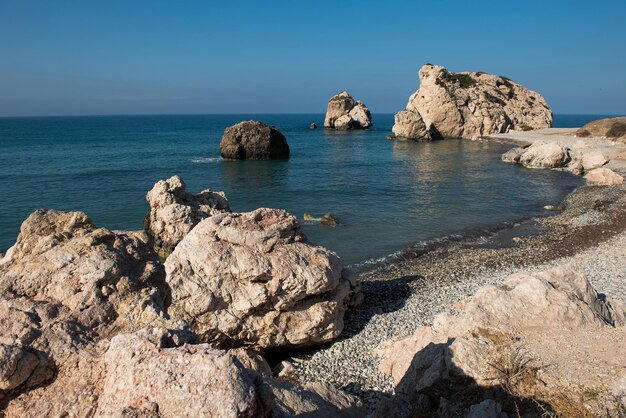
(150, 57)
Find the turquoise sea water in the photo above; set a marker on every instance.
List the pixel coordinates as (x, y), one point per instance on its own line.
(387, 194)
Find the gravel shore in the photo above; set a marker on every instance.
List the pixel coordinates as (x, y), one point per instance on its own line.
(408, 291)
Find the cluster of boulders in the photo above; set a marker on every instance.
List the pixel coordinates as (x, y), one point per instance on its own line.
(489, 355)
(556, 155)
(95, 324)
(469, 105)
(344, 113)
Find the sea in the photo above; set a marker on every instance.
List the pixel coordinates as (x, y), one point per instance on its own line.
(388, 195)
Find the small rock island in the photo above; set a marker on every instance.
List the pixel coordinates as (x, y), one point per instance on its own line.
(253, 140)
(469, 105)
(344, 113)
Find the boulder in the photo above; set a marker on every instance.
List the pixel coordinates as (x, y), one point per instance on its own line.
(611, 128)
(105, 279)
(545, 155)
(591, 160)
(252, 279)
(313, 126)
(175, 380)
(329, 220)
(603, 177)
(513, 155)
(492, 332)
(469, 105)
(344, 113)
(253, 140)
(174, 212)
(409, 124)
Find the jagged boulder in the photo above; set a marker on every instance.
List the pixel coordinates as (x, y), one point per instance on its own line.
(174, 212)
(469, 105)
(611, 128)
(252, 279)
(344, 113)
(253, 140)
(151, 373)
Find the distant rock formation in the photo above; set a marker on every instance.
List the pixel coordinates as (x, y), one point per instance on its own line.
(344, 113)
(611, 128)
(252, 279)
(253, 140)
(469, 105)
(174, 212)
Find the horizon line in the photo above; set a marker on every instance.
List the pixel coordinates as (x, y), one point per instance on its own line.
(237, 113)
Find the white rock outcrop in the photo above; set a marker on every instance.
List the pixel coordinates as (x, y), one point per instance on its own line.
(174, 212)
(252, 279)
(469, 105)
(344, 113)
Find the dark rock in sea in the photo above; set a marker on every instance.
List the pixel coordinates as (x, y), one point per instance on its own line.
(253, 140)
(313, 126)
(329, 219)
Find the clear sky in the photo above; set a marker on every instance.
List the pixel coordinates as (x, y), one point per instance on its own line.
(148, 57)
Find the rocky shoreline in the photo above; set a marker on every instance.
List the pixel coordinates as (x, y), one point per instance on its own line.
(409, 291)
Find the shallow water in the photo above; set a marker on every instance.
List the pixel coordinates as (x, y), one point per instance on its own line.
(386, 194)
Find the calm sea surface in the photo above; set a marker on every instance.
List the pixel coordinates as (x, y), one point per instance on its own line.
(387, 194)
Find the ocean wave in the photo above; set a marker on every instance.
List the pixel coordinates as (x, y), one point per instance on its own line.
(205, 160)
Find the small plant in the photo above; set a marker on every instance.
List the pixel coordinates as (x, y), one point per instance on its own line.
(494, 99)
(463, 80)
(514, 368)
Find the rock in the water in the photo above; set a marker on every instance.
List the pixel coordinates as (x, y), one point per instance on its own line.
(344, 113)
(544, 155)
(174, 212)
(513, 155)
(409, 124)
(253, 140)
(147, 375)
(313, 126)
(329, 220)
(252, 279)
(469, 105)
(603, 177)
(611, 128)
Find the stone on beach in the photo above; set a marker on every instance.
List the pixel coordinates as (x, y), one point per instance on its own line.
(344, 113)
(253, 140)
(545, 155)
(174, 212)
(469, 105)
(499, 322)
(252, 279)
(603, 177)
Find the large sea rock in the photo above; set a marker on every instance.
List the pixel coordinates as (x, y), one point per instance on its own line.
(252, 279)
(174, 212)
(253, 140)
(344, 112)
(469, 105)
(611, 128)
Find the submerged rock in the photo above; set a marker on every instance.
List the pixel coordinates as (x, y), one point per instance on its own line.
(174, 212)
(252, 279)
(313, 126)
(253, 140)
(469, 105)
(344, 113)
(329, 220)
(611, 128)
